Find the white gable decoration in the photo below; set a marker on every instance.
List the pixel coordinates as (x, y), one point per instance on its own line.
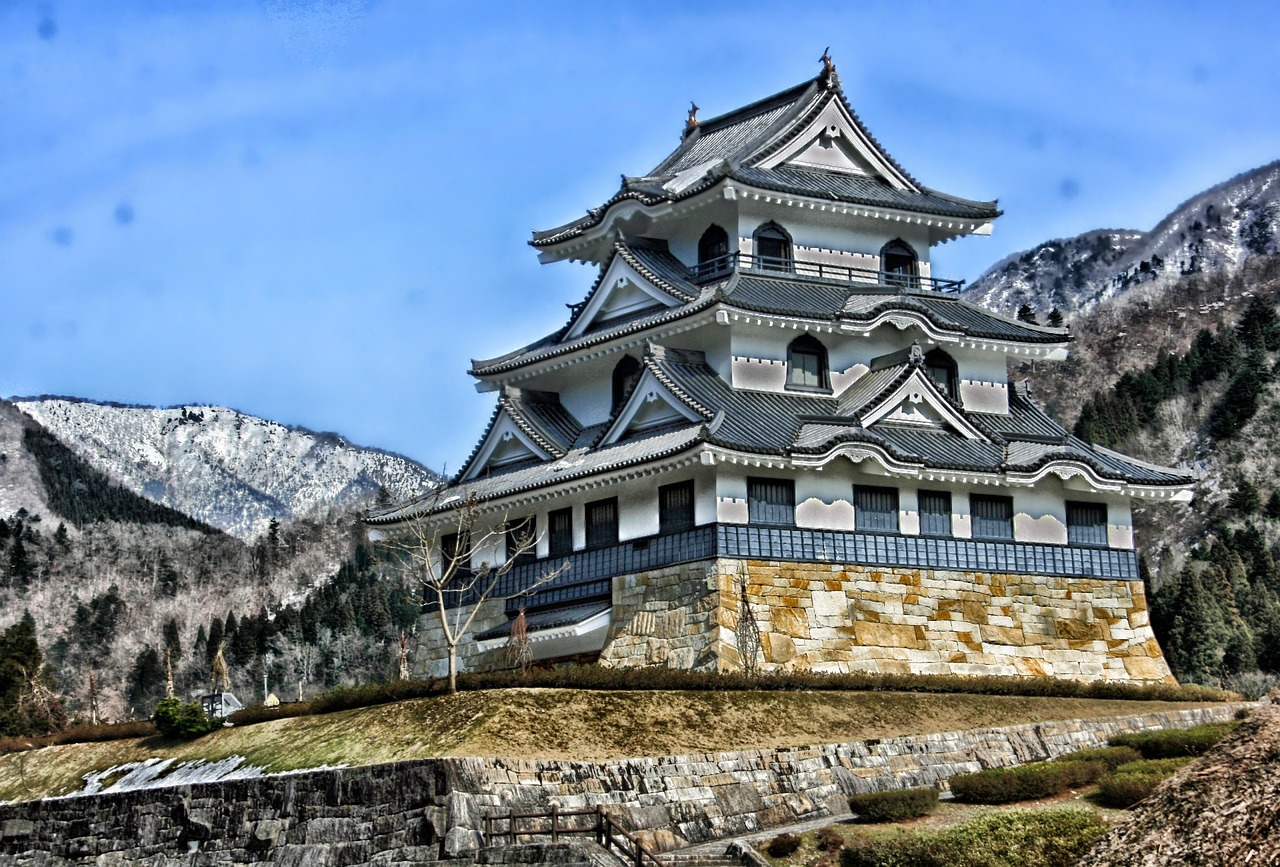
(506, 444)
(832, 141)
(622, 291)
(917, 402)
(650, 406)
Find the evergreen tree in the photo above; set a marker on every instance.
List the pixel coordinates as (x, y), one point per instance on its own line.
(146, 680)
(1259, 327)
(1055, 318)
(27, 706)
(173, 639)
(1244, 499)
(1273, 506)
(1197, 633)
(21, 568)
(1240, 401)
(1027, 315)
(216, 637)
(61, 538)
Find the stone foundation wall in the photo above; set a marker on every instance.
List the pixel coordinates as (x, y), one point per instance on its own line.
(845, 618)
(415, 812)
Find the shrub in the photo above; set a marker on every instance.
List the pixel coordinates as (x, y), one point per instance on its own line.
(1025, 782)
(1135, 781)
(177, 720)
(1174, 743)
(830, 840)
(1046, 838)
(894, 806)
(1112, 757)
(783, 845)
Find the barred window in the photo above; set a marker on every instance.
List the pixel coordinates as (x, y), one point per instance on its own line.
(771, 501)
(675, 507)
(935, 513)
(875, 509)
(1087, 524)
(560, 533)
(451, 547)
(602, 523)
(522, 533)
(807, 364)
(992, 516)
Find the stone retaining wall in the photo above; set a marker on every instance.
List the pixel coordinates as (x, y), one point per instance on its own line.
(411, 812)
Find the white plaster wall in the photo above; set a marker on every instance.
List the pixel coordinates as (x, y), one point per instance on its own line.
(731, 496)
(824, 501)
(1120, 525)
(638, 508)
(1040, 515)
(826, 230)
(908, 511)
(961, 517)
(979, 396)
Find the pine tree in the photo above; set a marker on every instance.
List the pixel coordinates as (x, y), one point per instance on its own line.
(173, 638)
(1055, 318)
(1273, 506)
(1027, 315)
(1244, 499)
(1259, 327)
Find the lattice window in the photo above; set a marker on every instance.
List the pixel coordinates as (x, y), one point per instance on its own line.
(875, 509)
(992, 516)
(771, 501)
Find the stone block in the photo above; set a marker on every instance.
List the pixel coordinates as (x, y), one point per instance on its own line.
(885, 634)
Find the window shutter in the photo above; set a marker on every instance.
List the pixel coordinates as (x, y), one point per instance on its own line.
(876, 509)
(1087, 524)
(602, 523)
(560, 533)
(771, 501)
(992, 516)
(935, 513)
(675, 507)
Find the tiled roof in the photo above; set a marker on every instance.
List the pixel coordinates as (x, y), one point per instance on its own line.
(732, 145)
(541, 415)
(862, 190)
(552, 619)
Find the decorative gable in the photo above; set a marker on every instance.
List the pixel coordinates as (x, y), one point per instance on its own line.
(834, 141)
(651, 406)
(504, 446)
(620, 293)
(917, 402)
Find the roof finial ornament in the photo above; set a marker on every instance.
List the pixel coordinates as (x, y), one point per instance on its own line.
(828, 65)
(917, 354)
(691, 122)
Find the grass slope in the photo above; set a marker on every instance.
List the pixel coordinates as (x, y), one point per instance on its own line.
(560, 724)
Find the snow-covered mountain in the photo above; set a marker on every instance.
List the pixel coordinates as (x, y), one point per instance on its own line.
(1212, 232)
(230, 470)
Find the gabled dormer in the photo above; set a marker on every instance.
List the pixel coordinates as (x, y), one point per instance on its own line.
(527, 427)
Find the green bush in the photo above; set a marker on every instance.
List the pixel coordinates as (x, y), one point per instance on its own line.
(1112, 757)
(1174, 743)
(783, 845)
(1046, 838)
(177, 720)
(1135, 781)
(1025, 782)
(894, 806)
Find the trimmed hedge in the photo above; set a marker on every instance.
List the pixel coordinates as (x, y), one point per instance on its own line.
(81, 734)
(1045, 838)
(594, 677)
(1174, 743)
(1027, 782)
(783, 845)
(894, 806)
(1135, 781)
(1112, 757)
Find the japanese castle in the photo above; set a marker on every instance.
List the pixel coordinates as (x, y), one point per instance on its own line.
(769, 429)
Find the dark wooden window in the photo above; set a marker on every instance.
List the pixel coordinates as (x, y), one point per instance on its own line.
(1087, 524)
(935, 513)
(625, 376)
(451, 546)
(898, 262)
(560, 533)
(807, 364)
(602, 523)
(713, 252)
(992, 516)
(520, 533)
(773, 248)
(875, 509)
(771, 501)
(675, 507)
(941, 368)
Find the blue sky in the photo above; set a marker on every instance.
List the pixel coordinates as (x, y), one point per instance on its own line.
(317, 212)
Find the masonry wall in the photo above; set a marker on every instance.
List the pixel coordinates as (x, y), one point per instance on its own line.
(415, 812)
(845, 618)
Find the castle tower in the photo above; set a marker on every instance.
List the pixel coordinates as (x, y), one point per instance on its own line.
(768, 395)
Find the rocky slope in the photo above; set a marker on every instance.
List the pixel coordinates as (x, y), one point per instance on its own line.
(230, 470)
(1214, 232)
(1222, 809)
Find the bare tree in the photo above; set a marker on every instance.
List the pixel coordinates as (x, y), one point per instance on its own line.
(748, 631)
(439, 546)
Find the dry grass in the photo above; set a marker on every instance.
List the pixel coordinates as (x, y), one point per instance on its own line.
(560, 724)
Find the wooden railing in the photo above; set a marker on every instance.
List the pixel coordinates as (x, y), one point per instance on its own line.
(722, 266)
(556, 823)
